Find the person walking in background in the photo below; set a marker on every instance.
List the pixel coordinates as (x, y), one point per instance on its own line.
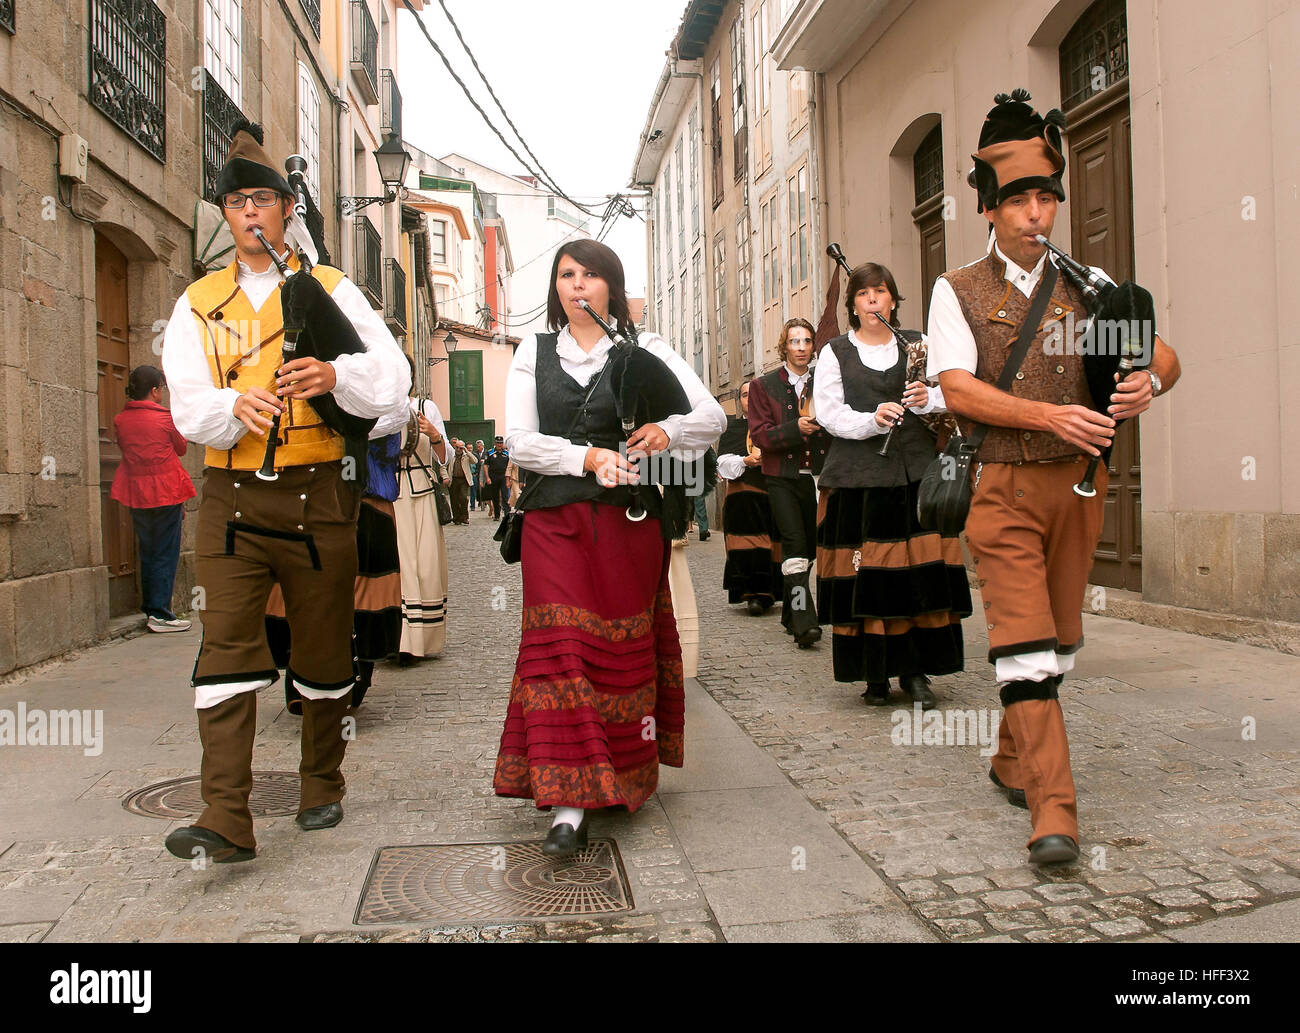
(473, 478)
(421, 547)
(753, 571)
(496, 460)
(151, 482)
(480, 474)
(462, 479)
(794, 449)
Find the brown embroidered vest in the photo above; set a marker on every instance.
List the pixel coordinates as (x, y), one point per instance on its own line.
(1051, 372)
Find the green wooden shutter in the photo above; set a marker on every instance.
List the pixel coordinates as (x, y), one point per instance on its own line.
(467, 386)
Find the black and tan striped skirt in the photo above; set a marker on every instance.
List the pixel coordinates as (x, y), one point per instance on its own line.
(894, 592)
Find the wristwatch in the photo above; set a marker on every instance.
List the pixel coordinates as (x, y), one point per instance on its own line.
(1155, 381)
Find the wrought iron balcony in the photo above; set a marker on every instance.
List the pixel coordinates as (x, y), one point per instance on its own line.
(395, 296)
(390, 104)
(219, 114)
(369, 266)
(365, 52)
(128, 58)
(311, 8)
(7, 16)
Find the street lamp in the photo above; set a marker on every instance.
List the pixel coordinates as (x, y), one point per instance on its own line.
(393, 161)
(449, 342)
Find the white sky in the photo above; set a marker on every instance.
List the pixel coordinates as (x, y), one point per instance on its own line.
(576, 78)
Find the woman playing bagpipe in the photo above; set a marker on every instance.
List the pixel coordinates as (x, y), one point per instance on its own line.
(894, 592)
(597, 699)
(753, 571)
(282, 383)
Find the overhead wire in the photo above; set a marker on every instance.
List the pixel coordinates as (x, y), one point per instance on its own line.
(546, 179)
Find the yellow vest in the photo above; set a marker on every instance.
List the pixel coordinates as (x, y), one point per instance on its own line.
(243, 348)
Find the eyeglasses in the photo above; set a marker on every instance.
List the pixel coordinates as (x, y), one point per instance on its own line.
(260, 199)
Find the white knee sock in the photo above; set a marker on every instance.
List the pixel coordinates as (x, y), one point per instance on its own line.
(570, 815)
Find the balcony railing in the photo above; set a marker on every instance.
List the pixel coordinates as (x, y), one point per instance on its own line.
(219, 114)
(369, 261)
(128, 58)
(395, 297)
(390, 104)
(7, 16)
(311, 8)
(365, 52)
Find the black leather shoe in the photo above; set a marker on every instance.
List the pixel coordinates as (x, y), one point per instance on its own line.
(194, 841)
(918, 687)
(704, 536)
(564, 840)
(326, 816)
(755, 608)
(877, 694)
(809, 638)
(1015, 797)
(1053, 850)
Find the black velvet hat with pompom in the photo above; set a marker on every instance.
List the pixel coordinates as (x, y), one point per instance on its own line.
(248, 167)
(1019, 150)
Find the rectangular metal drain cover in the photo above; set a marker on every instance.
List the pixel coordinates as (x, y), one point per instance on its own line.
(491, 882)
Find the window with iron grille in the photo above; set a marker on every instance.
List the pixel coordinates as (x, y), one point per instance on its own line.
(128, 59)
(309, 129)
(1094, 55)
(311, 8)
(739, 128)
(369, 272)
(365, 47)
(927, 166)
(223, 45)
(395, 294)
(7, 16)
(745, 290)
(219, 114)
(390, 104)
(672, 316)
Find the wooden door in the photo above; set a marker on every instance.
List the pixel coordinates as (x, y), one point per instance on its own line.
(934, 258)
(111, 340)
(1101, 230)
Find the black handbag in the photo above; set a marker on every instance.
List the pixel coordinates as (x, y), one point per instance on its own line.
(442, 500)
(943, 499)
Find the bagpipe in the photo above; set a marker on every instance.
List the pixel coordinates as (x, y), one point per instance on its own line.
(942, 424)
(314, 327)
(1107, 347)
(646, 391)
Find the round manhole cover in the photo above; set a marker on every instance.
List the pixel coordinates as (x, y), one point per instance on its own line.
(275, 793)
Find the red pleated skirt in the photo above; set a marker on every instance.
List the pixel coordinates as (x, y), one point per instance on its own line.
(597, 701)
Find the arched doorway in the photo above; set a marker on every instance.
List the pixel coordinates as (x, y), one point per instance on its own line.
(1095, 99)
(112, 333)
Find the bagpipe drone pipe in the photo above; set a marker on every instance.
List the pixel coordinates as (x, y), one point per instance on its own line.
(647, 391)
(1119, 339)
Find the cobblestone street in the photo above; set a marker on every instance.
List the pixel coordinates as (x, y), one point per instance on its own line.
(1183, 820)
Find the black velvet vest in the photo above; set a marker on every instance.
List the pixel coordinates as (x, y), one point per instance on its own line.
(858, 464)
(559, 401)
(735, 442)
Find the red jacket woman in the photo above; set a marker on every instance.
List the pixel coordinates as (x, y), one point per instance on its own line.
(151, 482)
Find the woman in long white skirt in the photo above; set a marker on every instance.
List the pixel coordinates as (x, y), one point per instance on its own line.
(420, 543)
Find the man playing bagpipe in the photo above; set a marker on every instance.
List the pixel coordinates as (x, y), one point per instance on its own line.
(1033, 537)
(286, 514)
